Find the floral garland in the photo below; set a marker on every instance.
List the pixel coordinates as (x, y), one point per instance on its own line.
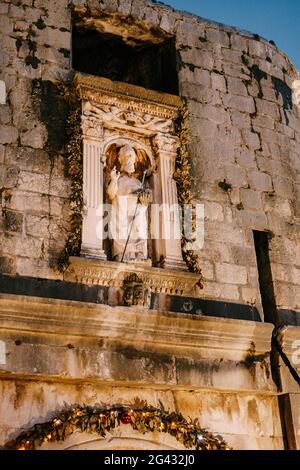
(103, 420)
(74, 154)
(182, 177)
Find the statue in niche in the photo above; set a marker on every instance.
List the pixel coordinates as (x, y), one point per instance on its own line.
(130, 196)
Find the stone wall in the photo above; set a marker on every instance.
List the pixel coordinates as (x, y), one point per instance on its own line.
(245, 144)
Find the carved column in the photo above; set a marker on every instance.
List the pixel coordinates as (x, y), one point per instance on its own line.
(92, 225)
(171, 228)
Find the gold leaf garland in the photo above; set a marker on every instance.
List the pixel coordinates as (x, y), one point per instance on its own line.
(182, 177)
(74, 154)
(103, 420)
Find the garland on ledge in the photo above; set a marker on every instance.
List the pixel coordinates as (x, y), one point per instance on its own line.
(69, 93)
(103, 420)
(182, 177)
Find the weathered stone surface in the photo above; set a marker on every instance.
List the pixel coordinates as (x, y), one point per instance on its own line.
(251, 199)
(241, 103)
(8, 134)
(260, 181)
(13, 221)
(231, 274)
(7, 265)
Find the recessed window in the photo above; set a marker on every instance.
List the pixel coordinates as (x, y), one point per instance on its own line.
(124, 51)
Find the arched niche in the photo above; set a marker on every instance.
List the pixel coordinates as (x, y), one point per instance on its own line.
(117, 113)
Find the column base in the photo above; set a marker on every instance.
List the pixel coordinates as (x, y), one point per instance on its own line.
(96, 253)
(175, 264)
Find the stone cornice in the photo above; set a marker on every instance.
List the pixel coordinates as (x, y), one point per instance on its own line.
(34, 315)
(104, 91)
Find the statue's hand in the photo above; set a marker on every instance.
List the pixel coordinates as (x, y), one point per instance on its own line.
(145, 196)
(115, 175)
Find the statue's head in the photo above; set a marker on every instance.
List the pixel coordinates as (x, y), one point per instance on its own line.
(127, 158)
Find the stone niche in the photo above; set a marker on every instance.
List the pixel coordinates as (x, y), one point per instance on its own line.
(131, 233)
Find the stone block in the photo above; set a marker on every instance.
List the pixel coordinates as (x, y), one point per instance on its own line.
(240, 120)
(257, 48)
(251, 199)
(2, 153)
(224, 233)
(6, 25)
(246, 158)
(231, 274)
(3, 8)
(11, 176)
(236, 176)
(278, 206)
(7, 265)
(232, 56)
(260, 181)
(8, 134)
(43, 184)
(287, 295)
(236, 86)
(274, 150)
(213, 211)
(267, 108)
(283, 187)
(264, 121)
(218, 82)
(253, 220)
(286, 273)
(187, 33)
(27, 158)
(237, 71)
(216, 114)
(125, 8)
(35, 138)
(241, 103)
(243, 255)
(250, 295)
(13, 221)
(207, 268)
(202, 127)
(238, 42)
(217, 36)
(235, 197)
(251, 139)
(21, 246)
(35, 268)
(54, 37)
(37, 226)
(5, 112)
(198, 58)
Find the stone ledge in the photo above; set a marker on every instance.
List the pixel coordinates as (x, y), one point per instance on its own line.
(111, 274)
(67, 340)
(61, 317)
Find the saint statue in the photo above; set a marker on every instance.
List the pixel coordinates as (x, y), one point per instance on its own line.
(130, 199)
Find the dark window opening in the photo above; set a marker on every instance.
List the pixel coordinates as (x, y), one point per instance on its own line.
(146, 60)
(261, 241)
